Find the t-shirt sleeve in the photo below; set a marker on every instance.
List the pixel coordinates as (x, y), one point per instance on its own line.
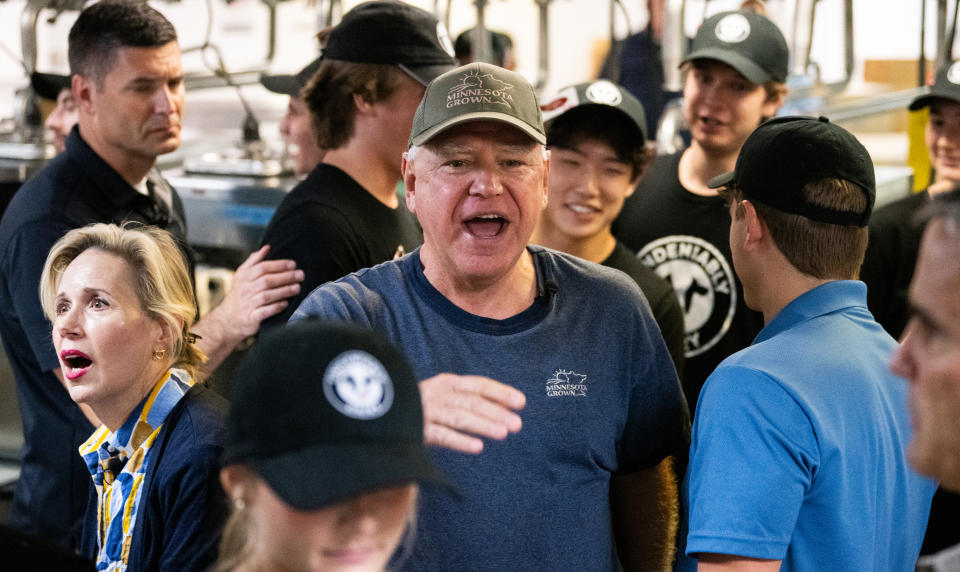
(658, 424)
(669, 316)
(344, 300)
(322, 243)
(752, 460)
(26, 256)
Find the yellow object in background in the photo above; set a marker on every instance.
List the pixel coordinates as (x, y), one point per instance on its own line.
(917, 157)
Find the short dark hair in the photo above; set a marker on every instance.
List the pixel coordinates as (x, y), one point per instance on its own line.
(106, 26)
(819, 249)
(605, 124)
(329, 96)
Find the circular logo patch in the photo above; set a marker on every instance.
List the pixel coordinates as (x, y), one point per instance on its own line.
(358, 385)
(953, 73)
(704, 283)
(443, 36)
(732, 29)
(604, 92)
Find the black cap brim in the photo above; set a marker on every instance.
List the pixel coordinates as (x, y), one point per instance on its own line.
(426, 74)
(282, 84)
(925, 100)
(49, 85)
(312, 478)
(736, 60)
(721, 180)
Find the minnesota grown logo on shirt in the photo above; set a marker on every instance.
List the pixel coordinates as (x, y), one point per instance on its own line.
(567, 383)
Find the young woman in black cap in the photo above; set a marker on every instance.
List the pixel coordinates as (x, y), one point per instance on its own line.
(324, 452)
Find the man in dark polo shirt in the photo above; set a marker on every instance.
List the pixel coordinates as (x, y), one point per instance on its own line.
(127, 81)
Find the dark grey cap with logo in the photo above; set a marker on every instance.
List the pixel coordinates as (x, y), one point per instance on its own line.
(475, 92)
(946, 85)
(393, 33)
(600, 93)
(747, 42)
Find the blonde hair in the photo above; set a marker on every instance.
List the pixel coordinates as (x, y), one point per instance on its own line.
(161, 279)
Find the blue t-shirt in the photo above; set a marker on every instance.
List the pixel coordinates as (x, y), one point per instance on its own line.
(602, 396)
(799, 444)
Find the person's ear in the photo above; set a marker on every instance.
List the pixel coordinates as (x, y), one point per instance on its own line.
(756, 228)
(409, 182)
(84, 93)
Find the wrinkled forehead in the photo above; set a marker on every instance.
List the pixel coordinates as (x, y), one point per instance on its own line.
(483, 133)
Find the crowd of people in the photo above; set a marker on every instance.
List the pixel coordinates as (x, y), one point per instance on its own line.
(495, 331)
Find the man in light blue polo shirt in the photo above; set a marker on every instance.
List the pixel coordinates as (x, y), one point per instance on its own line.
(798, 454)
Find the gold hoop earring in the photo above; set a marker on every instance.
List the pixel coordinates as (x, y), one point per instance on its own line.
(159, 354)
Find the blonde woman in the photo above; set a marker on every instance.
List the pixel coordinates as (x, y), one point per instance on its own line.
(121, 303)
(323, 452)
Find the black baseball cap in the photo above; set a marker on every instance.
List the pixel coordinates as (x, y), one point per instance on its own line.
(785, 154)
(474, 92)
(290, 84)
(946, 85)
(324, 411)
(600, 93)
(49, 85)
(394, 33)
(746, 41)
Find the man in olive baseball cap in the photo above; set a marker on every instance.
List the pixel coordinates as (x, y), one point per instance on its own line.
(492, 324)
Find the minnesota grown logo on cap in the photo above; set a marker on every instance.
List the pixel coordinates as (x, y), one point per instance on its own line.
(477, 89)
(357, 385)
(732, 29)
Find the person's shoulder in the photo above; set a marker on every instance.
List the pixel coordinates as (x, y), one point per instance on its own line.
(357, 293)
(202, 417)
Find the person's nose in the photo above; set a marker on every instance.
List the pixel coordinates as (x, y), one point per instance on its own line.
(68, 323)
(487, 183)
(903, 363)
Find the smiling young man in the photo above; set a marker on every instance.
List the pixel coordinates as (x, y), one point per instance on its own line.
(494, 325)
(127, 83)
(894, 235)
(296, 127)
(596, 133)
(677, 225)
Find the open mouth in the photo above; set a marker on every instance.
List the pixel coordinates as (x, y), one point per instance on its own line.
(582, 209)
(485, 226)
(77, 363)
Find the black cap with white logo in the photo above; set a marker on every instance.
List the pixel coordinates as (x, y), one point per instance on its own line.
(325, 411)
